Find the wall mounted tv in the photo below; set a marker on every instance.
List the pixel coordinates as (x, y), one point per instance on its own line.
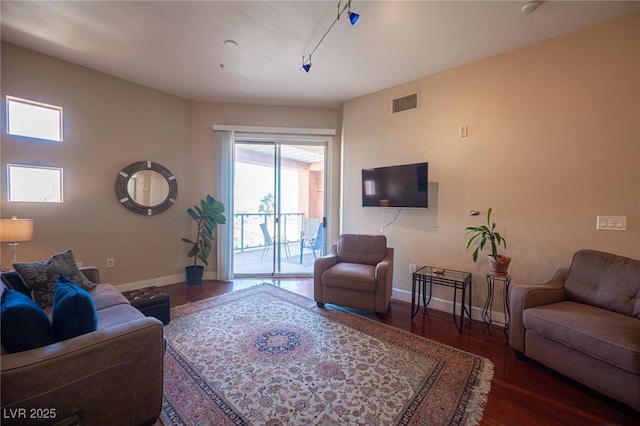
(404, 185)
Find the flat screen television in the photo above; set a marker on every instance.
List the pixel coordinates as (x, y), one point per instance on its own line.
(404, 185)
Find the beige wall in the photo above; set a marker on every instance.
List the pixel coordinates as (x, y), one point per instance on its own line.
(553, 142)
(109, 123)
(205, 115)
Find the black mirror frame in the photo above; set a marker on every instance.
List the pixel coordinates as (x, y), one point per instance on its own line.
(125, 199)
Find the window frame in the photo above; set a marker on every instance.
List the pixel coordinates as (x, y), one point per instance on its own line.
(59, 109)
(29, 166)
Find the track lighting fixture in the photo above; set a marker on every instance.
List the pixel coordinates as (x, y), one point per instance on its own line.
(353, 18)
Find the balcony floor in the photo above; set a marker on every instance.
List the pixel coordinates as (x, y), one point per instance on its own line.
(249, 262)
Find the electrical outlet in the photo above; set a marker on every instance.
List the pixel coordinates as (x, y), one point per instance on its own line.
(111, 262)
(611, 223)
(412, 268)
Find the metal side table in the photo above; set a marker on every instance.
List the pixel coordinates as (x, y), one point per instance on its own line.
(505, 280)
(459, 280)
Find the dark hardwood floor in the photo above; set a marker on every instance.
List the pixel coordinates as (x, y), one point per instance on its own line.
(522, 392)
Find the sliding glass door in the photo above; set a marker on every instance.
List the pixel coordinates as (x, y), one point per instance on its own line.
(279, 207)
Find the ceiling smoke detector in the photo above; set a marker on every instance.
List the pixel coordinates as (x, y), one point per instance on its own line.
(530, 7)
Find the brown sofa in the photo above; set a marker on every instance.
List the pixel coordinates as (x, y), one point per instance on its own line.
(107, 377)
(585, 323)
(358, 273)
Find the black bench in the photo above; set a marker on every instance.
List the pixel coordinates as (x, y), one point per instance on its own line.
(151, 301)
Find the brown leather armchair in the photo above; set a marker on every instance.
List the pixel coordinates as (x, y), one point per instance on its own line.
(358, 273)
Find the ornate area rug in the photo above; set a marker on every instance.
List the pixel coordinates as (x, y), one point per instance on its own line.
(266, 356)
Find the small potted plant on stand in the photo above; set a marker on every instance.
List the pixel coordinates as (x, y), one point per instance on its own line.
(206, 216)
(480, 235)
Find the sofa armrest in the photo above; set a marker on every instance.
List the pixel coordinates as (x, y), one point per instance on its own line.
(112, 375)
(527, 296)
(319, 266)
(384, 280)
(91, 272)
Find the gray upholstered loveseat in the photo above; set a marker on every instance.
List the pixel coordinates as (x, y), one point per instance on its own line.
(107, 377)
(585, 323)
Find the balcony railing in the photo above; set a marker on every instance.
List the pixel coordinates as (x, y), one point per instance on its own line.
(248, 235)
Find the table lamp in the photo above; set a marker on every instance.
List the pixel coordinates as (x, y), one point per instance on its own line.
(15, 230)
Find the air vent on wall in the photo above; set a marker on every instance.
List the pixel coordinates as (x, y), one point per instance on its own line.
(406, 102)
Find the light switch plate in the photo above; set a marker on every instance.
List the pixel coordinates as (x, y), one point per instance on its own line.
(611, 223)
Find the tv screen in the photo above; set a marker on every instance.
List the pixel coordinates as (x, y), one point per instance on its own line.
(396, 186)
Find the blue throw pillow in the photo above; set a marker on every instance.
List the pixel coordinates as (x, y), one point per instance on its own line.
(24, 325)
(74, 312)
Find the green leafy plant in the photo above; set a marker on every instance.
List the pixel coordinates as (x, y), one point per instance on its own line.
(207, 215)
(480, 235)
(266, 204)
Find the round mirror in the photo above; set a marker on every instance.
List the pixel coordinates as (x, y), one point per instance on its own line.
(146, 188)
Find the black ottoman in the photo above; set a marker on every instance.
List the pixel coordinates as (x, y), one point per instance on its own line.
(151, 301)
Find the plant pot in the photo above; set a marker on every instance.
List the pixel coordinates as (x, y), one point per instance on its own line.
(194, 274)
(500, 266)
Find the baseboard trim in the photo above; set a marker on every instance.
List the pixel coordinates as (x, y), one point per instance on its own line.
(447, 306)
(398, 294)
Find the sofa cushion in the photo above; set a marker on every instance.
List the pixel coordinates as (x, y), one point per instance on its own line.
(117, 315)
(608, 336)
(351, 276)
(106, 295)
(24, 325)
(74, 312)
(605, 280)
(359, 248)
(41, 276)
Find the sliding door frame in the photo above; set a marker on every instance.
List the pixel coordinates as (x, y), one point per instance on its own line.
(290, 136)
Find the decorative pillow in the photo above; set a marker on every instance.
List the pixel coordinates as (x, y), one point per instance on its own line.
(41, 276)
(13, 280)
(23, 324)
(74, 312)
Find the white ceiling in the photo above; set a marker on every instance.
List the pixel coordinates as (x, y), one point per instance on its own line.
(178, 46)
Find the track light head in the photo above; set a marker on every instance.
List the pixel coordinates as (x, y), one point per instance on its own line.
(353, 17)
(306, 63)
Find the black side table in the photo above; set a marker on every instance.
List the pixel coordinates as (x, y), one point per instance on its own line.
(505, 280)
(459, 280)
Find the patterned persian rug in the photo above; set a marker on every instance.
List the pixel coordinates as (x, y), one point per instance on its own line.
(266, 356)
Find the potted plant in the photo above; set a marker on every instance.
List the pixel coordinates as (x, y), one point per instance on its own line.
(206, 215)
(480, 235)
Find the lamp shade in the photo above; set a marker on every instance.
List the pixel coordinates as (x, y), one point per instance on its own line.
(353, 17)
(15, 230)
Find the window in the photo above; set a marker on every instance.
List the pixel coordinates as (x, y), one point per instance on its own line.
(34, 119)
(34, 184)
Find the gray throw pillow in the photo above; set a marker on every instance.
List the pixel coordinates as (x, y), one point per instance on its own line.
(40, 277)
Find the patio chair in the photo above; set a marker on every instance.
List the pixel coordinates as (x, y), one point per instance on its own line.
(268, 242)
(314, 243)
